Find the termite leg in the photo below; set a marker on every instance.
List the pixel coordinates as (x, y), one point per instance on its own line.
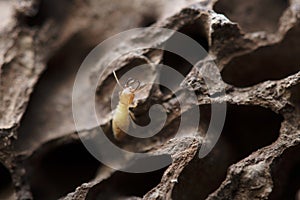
(133, 104)
(131, 114)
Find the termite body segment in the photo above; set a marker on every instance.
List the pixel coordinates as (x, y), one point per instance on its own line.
(121, 120)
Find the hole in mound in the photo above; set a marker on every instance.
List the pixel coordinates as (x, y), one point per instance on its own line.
(148, 21)
(180, 63)
(249, 128)
(6, 186)
(246, 129)
(122, 184)
(202, 176)
(197, 32)
(286, 175)
(266, 63)
(57, 171)
(254, 15)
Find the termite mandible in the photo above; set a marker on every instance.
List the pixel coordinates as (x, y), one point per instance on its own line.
(121, 120)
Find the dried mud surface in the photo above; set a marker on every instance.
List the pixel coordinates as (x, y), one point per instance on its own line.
(256, 46)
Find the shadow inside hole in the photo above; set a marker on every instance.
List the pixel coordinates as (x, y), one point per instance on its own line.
(6, 186)
(148, 21)
(202, 176)
(266, 63)
(286, 175)
(179, 64)
(249, 128)
(252, 15)
(123, 184)
(195, 31)
(49, 9)
(56, 172)
(246, 129)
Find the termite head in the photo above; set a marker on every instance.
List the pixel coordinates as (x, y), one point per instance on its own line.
(127, 94)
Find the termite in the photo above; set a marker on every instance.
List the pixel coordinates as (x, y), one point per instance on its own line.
(122, 114)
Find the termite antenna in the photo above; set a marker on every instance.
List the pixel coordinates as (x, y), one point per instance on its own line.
(115, 75)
